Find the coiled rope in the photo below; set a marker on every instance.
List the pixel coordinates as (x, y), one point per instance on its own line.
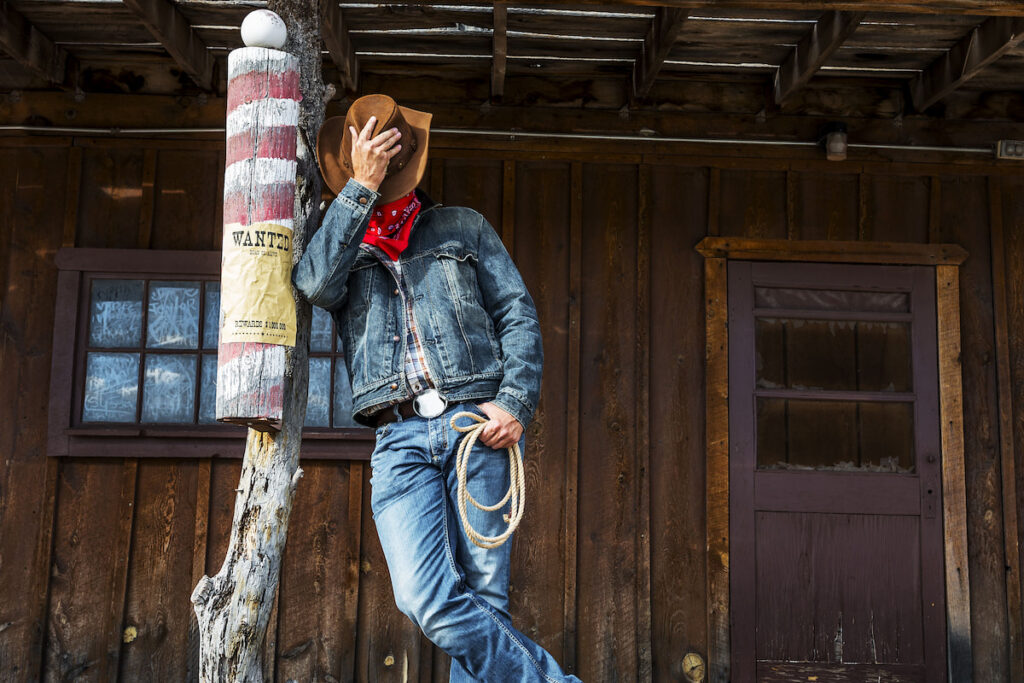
(516, 488)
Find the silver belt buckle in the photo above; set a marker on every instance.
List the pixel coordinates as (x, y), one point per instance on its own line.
(429, 404)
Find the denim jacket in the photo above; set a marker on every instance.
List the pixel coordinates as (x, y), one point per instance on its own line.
(477, 322)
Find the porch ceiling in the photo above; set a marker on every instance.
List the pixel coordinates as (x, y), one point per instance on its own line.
(926, 50)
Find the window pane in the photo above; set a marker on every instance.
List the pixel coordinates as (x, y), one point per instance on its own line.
(320, 334)
(318, 407)
(111, 387)
(173, 315)
(835, 435)
(211, 315)
(831, 300)
(342, 396)
(169, 388)
(833, 355)
(208, 390)
(115, 314)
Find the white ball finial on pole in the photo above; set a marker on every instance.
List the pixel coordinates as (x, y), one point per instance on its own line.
(263, 28)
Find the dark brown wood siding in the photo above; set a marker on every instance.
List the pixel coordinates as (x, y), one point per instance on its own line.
(100, 555)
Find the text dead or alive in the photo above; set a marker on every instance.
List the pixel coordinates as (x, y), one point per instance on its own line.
(264, 238)
(268, 324)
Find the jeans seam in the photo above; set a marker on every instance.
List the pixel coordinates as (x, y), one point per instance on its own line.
(511, 636)
(476, 602)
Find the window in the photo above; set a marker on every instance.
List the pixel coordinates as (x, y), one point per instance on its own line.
(135, 359)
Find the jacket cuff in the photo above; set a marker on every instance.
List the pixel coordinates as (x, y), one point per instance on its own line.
(513, 406)
(357, 197)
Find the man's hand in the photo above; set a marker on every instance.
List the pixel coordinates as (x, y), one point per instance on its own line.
(370, 157)
(502, 430)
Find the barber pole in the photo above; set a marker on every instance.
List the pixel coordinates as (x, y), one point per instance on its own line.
(259, 199)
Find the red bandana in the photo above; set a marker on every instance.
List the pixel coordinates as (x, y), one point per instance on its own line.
(391, 223)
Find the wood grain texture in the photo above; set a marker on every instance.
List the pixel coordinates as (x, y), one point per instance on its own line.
(33, 227)
(538, 599)
(319, 591)
(608, 518)
(716, 439)
(677, 456)
(965, 213)
(155, 627)
(642, 464)
(166, 23)
(1001, 274)
(815, 48)
(954, 507)
(832, 251)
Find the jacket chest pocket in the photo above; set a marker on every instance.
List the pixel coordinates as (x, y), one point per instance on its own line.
(458, 268)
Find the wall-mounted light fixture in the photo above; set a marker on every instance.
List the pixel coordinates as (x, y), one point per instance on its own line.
(834, 140)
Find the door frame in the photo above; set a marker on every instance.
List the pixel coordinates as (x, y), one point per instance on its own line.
(946, 259)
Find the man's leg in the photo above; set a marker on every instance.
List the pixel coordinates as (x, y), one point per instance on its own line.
(417, 526)
(486, 571)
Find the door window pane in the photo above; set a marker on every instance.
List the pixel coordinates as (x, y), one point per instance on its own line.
(320, 333)
(342, 396)
(173, 315)
(318, 405)
(211, 315)
(115, 313)
(835, 435)
(169, 388)
(111, 387)
(840, 355)
(831, 300)
(208, 390)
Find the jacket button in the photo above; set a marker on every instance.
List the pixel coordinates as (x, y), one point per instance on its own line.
(396, 292)
(362, 200)
(395, 338)
(394, 385)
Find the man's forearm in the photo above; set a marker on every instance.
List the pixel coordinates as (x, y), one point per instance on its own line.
(321, 273)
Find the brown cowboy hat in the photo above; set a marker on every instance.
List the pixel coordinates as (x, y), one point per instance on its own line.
(334, 144)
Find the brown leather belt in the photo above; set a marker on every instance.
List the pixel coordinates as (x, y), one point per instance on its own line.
(391, 413)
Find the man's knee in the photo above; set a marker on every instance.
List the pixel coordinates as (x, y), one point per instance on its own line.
(431, 608)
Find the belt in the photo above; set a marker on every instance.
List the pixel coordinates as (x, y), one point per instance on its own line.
(404, 410)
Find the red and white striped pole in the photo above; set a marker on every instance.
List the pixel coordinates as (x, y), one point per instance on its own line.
(257, 308)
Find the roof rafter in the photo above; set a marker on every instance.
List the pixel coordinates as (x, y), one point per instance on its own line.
(813, 50)
(1006, 8)
(986, 43)
(169, 26)
(28, 46)
(339, 46)
(499, 50)
(661, 35)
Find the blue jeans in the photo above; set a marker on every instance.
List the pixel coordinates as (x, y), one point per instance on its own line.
(454, 591)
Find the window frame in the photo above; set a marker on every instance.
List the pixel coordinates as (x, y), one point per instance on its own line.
(68, 436)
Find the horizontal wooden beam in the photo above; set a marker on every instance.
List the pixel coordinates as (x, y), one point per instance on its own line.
(170, 27)
(986, 43)
(339, 46)
(1005, 8)
(661, 36)
(499, 50)
(828, 251)
(813, 50)
(33, 50)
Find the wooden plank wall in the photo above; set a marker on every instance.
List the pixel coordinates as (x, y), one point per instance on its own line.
(99, 556)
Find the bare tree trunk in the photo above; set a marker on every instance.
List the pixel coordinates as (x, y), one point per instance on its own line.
(233, 607)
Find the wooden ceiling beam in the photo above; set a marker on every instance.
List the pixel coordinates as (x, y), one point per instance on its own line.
(661, 36)
(170, 27)
(986, 43)
(499, 50)
(813, 50)
(29, 47)
(1006, 8)
(335, 35)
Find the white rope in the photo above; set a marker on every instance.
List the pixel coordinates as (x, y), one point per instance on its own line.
(516, 489)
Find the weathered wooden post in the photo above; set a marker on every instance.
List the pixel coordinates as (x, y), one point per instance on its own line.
(272, 185)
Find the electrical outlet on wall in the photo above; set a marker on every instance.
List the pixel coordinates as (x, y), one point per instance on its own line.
(1010, 149)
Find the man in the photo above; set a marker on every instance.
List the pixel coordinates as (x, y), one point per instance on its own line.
(435, 319)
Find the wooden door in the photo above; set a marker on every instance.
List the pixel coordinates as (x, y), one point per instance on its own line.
(836, 563)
